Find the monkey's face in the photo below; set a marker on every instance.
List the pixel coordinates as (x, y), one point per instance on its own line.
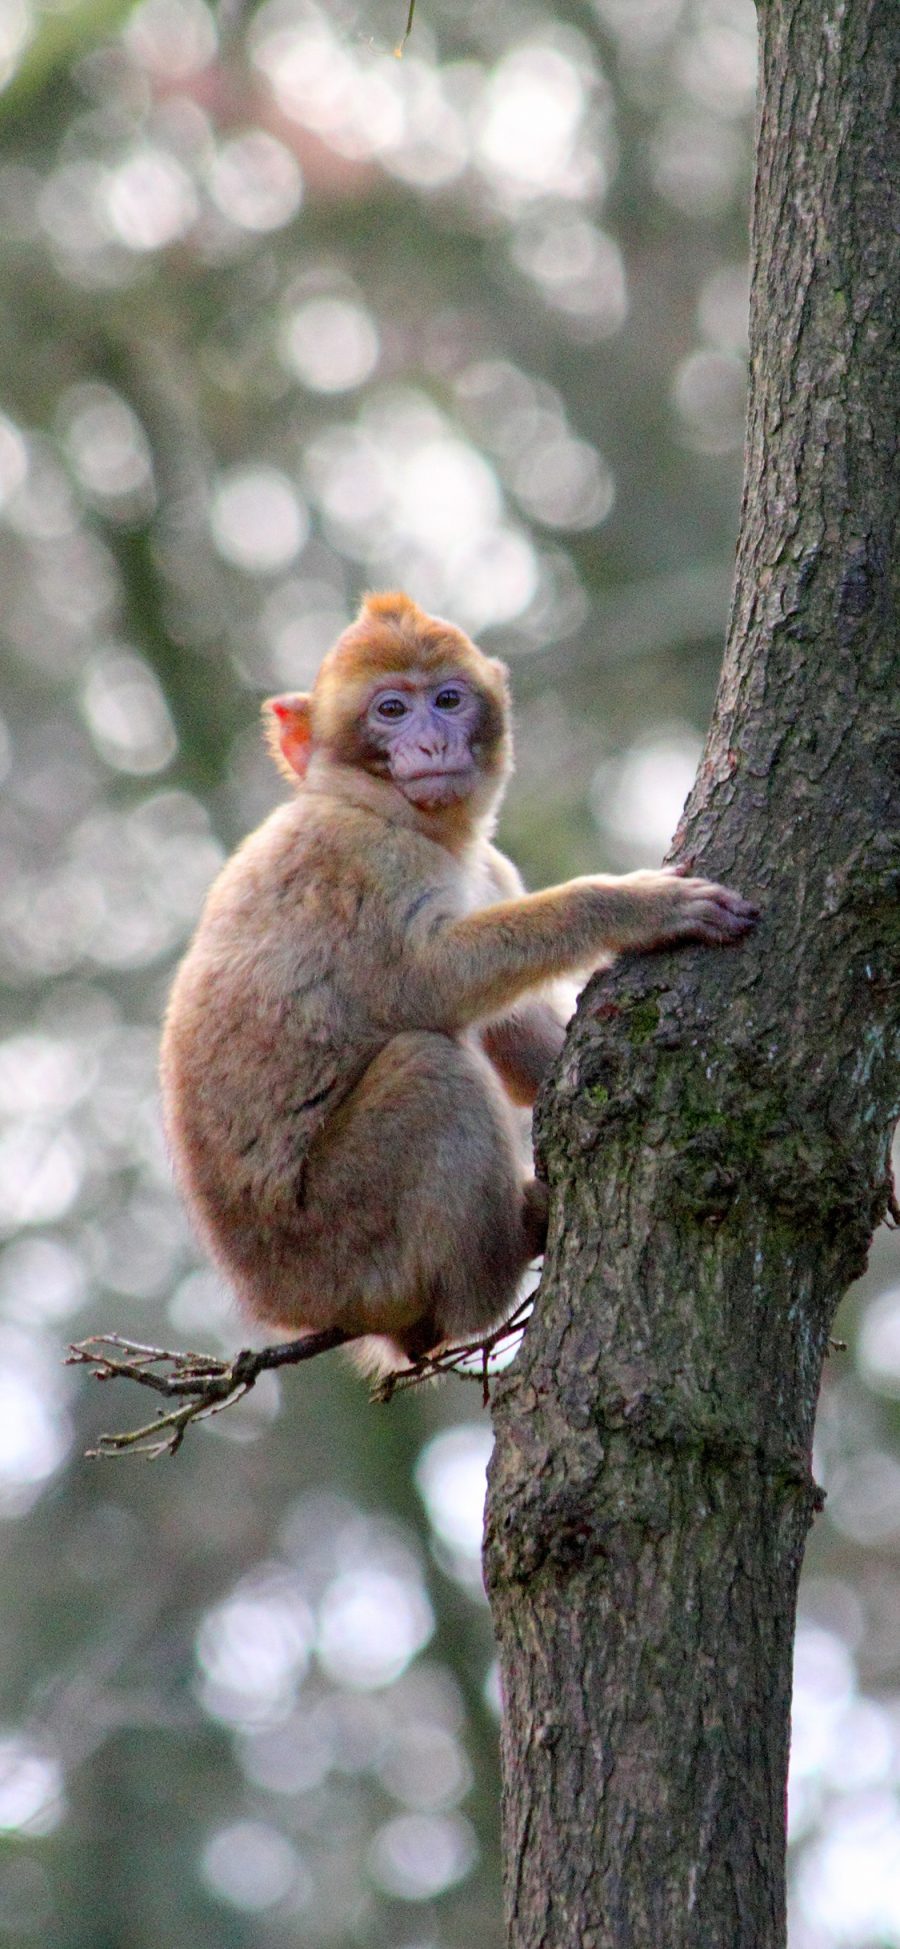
(428, 735)
(407, 698)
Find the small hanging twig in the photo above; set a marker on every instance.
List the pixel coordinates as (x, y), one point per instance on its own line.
(202, 1385)
(398, 51)
(892, 1214)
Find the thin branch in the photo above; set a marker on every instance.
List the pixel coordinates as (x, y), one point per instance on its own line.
(891, 1214)
(202, 1385)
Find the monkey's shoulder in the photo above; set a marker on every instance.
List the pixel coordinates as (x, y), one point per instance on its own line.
(327, 881)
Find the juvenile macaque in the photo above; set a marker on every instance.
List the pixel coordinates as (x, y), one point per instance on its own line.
(370, 994)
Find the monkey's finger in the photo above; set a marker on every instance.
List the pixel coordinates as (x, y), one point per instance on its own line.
(725, 897)
(711, 920)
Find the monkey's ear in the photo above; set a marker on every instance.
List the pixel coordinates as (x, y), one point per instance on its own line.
(288, 724)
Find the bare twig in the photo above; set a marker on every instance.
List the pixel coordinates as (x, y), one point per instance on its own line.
(202, 1385)
(892, 1214)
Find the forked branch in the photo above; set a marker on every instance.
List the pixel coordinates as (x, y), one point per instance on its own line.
(201, 1385)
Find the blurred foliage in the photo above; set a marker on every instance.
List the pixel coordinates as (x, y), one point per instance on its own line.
(284, 317)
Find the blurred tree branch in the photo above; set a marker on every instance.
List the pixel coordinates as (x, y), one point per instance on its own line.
(406, 31)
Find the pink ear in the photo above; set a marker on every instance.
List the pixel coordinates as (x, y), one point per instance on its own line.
(291, 733)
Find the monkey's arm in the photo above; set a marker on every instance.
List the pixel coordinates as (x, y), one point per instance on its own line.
(480, 964)
(524, 1044)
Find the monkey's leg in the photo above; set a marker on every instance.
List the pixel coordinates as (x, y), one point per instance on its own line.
(523, 1046)
(535, 1214)
(416, 1220)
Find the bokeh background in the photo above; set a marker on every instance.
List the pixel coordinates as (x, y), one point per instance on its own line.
(283, 317)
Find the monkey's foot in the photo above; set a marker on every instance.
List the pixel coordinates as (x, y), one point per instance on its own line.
(470, 1359)
(202, 1383)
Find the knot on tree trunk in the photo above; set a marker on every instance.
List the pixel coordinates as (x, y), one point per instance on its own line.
(631, 1475)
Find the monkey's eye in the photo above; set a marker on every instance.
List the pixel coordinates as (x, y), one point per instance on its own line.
(448, 699)
(391, 707)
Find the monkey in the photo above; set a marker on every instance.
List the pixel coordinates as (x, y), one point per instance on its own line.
(371, 999)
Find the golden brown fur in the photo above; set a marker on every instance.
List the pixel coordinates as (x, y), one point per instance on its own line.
(370, 993)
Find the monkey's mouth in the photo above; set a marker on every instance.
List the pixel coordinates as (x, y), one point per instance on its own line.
(437, 787)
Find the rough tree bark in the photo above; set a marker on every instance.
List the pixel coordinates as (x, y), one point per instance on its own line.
(718, 1136)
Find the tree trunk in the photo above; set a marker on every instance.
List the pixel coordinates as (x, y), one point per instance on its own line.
(718, 1135)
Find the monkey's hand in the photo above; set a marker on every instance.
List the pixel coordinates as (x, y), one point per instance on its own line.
(670, 907)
